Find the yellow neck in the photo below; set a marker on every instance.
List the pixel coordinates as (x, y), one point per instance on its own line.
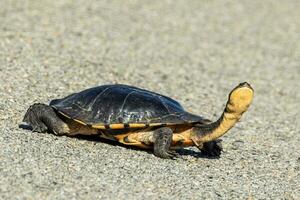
(226, 122)
(238, 102)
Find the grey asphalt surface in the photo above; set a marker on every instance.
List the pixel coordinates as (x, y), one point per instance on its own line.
(193, 51)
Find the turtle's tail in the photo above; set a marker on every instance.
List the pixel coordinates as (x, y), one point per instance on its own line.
(238, 102)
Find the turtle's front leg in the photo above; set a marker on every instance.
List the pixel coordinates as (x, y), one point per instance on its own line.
(42, 117)
(162, 143)
(212, 148)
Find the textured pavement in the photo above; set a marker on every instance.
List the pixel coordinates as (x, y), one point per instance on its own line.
(193, 51)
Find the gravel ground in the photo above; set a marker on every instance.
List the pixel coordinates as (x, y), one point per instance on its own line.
(193, 51)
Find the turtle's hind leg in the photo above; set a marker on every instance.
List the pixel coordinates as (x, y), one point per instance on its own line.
(162, 143)
(42, 118)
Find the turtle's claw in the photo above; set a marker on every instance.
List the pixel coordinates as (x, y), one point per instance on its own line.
(212, 149)
(173, 154)
(169, 155)
(41, 128)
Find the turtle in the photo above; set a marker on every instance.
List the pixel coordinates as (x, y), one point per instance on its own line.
(138, 117)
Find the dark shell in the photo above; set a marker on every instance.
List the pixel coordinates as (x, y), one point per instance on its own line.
(122, 104)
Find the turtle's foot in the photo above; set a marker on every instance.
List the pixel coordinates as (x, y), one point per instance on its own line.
(212, 149)
(168, 155)
(162, 143)
(42, 118)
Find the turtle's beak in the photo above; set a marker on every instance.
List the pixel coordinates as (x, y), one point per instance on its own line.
(244, 84)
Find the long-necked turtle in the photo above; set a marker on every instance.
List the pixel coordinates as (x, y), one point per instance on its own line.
(138, 117)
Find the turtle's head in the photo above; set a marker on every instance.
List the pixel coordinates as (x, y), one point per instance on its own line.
(240, 98)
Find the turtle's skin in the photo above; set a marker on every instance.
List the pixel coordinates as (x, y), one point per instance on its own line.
(137, 117)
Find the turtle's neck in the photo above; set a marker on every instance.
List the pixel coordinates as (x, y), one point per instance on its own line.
(238, 102)
(214, 130)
